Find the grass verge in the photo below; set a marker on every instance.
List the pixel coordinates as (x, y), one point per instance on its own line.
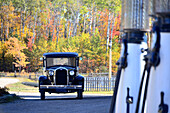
(19, 87)
(98, 92)
(9, 98)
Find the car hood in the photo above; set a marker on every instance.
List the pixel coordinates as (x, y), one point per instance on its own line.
(60, 67)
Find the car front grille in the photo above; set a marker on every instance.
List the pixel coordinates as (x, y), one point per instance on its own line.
(61, 77)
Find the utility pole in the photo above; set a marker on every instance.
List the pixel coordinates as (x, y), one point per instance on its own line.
(110, 49)
(110, 60)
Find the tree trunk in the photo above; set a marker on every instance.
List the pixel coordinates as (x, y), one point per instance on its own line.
(47, 23)
(65, 30)
(54, 24)
(75, 24)
(94, 20)
(1, 28)
(46, 29)
(58, 25)
(53, 28)
(57, 29)
(7, 27)
(40, 24)
(11, 29)
(21, 24)
(35, 19)
(3, 57)
(108, 30)
(77, 21)
(91, 18)
(84, 24)
(29, 27)
(97, 24)
(69, 27)
(37, 30)
(49, 27)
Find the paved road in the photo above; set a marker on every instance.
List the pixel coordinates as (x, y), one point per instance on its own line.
(54, 103)
(58, 103)
(6, 81)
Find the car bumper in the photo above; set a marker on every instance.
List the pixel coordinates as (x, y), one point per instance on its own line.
(61, 87)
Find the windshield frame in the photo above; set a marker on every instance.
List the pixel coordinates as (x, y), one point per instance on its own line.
(63, 64)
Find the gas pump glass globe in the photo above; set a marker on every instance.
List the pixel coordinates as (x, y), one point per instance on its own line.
(161, 10)
(161, 6)
(135, 14)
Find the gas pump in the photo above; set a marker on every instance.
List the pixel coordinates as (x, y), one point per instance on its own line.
(158, 92)
(135, 23)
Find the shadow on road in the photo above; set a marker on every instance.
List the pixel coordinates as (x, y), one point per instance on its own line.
(31, 103)
(72, 97)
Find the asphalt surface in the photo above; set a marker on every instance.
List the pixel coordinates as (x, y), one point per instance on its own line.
(58, 103)
(6, 81)
(55, 103)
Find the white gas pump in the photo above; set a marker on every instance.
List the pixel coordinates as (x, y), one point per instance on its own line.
(158, 93)
(135, 23)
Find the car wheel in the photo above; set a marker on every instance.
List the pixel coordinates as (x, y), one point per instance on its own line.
(42, 94)
(79, 94)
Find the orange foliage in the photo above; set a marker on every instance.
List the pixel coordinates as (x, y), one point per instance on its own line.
(16, 47)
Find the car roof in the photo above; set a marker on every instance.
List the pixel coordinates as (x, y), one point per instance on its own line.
(61, 54)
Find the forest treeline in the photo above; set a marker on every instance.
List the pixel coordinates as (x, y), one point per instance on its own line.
(29, 28)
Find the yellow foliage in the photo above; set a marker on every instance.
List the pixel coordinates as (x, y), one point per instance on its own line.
(15, 47)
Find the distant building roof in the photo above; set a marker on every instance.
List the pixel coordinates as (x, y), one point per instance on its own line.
(61, 54)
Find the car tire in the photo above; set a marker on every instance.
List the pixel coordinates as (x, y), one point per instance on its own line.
(42, 92)
(79, 94)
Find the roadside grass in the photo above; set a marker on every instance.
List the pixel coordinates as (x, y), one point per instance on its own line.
(11, 74)
(5, 96)
(98, 92)
(8, 98)
(19, 87)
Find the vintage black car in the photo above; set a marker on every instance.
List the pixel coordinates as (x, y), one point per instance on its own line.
(61, 74)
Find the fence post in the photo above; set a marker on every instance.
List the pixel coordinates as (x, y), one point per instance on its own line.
(95, 83)
(99, 83)
(88, 83)
(104, 83)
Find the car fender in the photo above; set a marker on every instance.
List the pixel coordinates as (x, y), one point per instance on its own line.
(80, 81)
(79, 77)
(42, 78)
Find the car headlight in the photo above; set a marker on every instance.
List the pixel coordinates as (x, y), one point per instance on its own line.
(71, 72)
(51, 73)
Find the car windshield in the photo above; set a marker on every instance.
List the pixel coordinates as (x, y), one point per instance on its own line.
(61, 61)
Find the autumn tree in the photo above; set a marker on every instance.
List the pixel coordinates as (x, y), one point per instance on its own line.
(39, 26)
(15, 48)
